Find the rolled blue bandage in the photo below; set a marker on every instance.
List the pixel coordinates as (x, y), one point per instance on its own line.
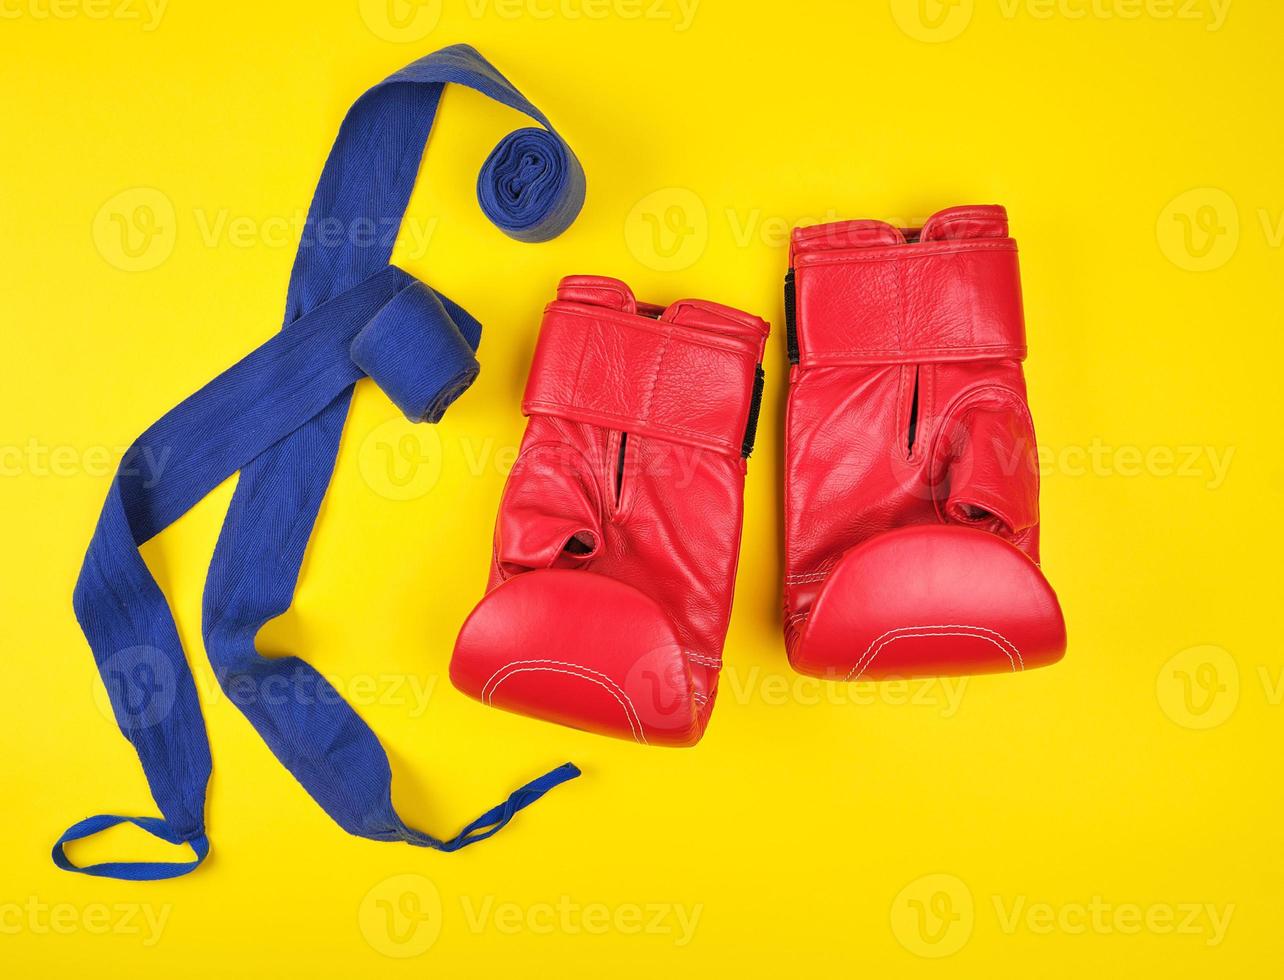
(531, 186)
(415, 352)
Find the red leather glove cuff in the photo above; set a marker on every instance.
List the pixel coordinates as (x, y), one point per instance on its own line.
(864, 294)
(686, 375)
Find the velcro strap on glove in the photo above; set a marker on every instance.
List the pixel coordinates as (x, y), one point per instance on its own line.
(687, 376)
(907, 303)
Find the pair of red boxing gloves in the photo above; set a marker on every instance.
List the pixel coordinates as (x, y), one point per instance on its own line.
(911, 485)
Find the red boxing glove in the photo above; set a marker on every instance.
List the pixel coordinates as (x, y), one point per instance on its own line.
(618, 533)
(912, 488)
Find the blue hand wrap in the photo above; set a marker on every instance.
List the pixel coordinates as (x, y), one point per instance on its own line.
(276, 417)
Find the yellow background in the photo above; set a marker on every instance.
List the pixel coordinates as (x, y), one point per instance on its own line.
(1054, 824)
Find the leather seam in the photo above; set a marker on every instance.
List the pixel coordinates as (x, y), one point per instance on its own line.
(807, 577)
(896, 253)
(554, 407)
(904, 633)
(821, 572)
(926, 353)
(687, 334)
(655, 377)
(606, 683)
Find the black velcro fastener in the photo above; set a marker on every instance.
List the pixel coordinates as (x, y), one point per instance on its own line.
(791, 315)
(755, 407)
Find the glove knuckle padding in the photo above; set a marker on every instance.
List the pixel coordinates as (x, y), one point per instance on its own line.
(616, 543)
(912, 483)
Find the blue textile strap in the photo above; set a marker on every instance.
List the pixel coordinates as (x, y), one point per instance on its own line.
(276, 417)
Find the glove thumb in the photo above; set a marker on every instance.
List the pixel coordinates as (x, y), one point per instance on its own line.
(988, 468)
(549, 517)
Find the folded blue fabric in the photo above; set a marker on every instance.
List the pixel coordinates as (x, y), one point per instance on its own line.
(276, 417)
